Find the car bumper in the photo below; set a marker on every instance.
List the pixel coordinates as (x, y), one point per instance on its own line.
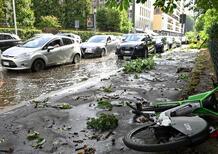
(15, 64)
(91, 53)
(130, 53)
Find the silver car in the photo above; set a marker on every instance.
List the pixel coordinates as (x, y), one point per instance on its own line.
(42, 51)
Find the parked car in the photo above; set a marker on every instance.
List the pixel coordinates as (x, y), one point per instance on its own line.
(99, 46)
(77, 38)
(171, 42)
(135, 46)
(178, 41)
(184, 40)
(8, 40)
(42, 51)
(160, 44)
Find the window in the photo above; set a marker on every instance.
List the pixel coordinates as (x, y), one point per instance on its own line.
(5, 37)
(66, 41)
(55, 43)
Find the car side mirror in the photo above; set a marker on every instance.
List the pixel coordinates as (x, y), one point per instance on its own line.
(50, 48)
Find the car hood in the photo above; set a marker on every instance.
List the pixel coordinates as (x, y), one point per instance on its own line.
(130, 44)
(92, 45)
(15, 51)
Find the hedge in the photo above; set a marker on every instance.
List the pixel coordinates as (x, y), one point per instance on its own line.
(85, 35)
(28, 33)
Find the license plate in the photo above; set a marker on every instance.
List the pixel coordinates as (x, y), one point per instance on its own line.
(5, 63)
(127, 52)
(126, 57)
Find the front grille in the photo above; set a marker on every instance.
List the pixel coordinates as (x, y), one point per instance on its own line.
(127, 48)
(11, 63)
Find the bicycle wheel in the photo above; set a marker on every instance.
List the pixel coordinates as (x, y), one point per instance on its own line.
(153, 138)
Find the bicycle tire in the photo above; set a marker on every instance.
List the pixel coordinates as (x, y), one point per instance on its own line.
(183, 141)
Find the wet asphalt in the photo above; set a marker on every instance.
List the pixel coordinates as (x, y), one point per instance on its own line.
(19, 86)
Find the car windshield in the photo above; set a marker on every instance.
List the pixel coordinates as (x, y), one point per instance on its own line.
(98, 39)
(134, 38)
(36, 42)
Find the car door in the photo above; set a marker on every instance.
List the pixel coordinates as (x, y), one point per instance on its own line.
(53, 51)
(67, 50)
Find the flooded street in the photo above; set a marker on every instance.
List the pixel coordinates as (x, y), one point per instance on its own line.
(81, 86)
(16, 87)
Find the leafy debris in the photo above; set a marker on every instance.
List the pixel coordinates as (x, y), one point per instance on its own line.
(103, 123)
(104, 104)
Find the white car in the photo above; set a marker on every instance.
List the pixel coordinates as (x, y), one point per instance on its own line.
(42, 51)
(76, 37)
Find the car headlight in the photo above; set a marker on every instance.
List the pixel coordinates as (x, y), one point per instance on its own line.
(139, 47)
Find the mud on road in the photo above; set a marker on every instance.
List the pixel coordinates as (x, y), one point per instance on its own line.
(65, 131)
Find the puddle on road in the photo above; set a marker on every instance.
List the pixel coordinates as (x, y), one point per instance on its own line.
(16, 87)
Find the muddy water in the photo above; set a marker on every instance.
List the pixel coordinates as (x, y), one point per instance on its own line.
(18, 86)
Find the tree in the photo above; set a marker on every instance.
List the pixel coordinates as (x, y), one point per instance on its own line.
(47, 8)
(112, 19)
(76, 10)
(108, 19)
(166, 5)
(125, 24)
(24, 13)
(49, 22)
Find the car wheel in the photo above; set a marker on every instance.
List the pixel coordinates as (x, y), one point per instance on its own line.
(103, 52)
(38, 65)
(76, 59)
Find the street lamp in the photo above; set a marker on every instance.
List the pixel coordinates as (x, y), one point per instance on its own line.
(15, 20)
(95, 10)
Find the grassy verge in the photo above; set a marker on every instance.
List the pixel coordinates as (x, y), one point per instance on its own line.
(200, 75)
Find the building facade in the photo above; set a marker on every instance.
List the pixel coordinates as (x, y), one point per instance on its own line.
(141, 15)
(169, 24)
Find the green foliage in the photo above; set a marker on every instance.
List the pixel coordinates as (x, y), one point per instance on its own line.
(191, 37)
(76, 10)
(28, 33)
(199, 24)
(166, 5)
(85, 35)
(138, 65)
(104, 104)
(183, 76)
(111, 19)
(108, 19)
(64, 106)
(23, 33)
(107, 89)
(49, 22)
(103, 123)
(35, 136)
(47, 8)
(213, 31)
(24, 13)
(204, 23)
(125, 24)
